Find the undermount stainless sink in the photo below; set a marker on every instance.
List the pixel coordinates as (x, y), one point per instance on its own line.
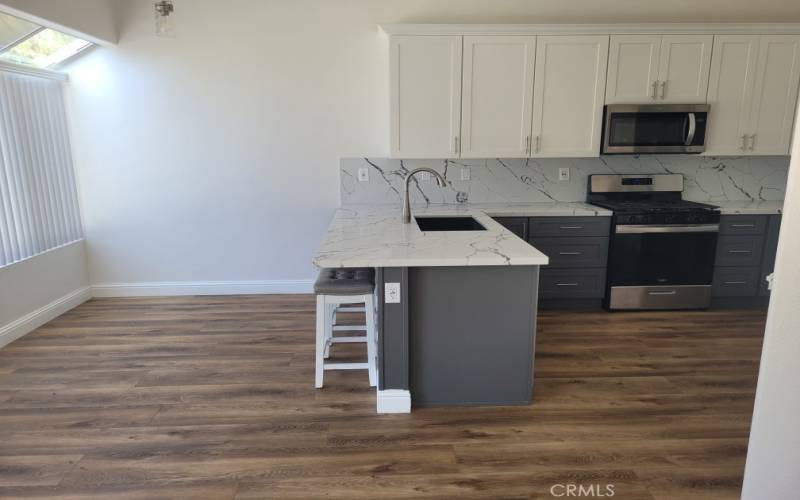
(448, 224)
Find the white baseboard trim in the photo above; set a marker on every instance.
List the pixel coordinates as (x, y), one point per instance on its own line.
(19, 327)
(394, 401)
(176, 288)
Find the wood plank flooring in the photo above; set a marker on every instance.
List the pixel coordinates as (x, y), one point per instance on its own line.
(212, 397)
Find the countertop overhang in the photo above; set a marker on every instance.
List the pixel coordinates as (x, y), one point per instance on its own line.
(375, 236)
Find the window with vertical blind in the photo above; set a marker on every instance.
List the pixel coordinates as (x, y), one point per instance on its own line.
(38, 198)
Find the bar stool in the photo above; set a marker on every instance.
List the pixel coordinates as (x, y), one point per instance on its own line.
(337, 290)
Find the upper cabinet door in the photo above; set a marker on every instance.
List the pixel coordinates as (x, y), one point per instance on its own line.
(497, 93)
(730, 93)
(425, 90)
(683, 68)
(633, 69)
(568, 95)
(775, 95)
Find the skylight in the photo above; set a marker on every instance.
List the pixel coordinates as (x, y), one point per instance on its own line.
(22, 42)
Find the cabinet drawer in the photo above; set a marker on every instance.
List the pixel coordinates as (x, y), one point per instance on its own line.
(569, 226)
(572, 283)
(735, 225)
(735, 282)
(517, 225)
(573, 252)
(739, 251)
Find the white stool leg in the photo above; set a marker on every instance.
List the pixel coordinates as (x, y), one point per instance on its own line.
(322, 333)
(372, 354)
(331, 316)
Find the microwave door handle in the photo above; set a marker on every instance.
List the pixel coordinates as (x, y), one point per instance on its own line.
(692, 130)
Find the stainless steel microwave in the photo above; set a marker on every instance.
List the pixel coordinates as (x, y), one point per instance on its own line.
(654, 128)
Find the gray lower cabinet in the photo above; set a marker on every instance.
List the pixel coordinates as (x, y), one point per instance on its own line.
(735, 282)
(745, 256)
(574, 251)
(569, 226)
(578, 252)
(572, 283)
(739, 251)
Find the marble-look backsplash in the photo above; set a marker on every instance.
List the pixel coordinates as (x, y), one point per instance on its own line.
(536, 180)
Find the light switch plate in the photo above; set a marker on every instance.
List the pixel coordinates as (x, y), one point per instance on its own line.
(391, 293)
(465, 174)
(563, 174)
(363, 174)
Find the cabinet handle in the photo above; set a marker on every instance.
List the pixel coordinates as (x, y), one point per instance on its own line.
(456, 145)
(752, 141)
(570, 253)
(663, 88)
(735, 283)
(655, 89)
(566, 284)
(743, 225)
(538, 142)
(739, 251)
(528, 145)
(670, 292)
(743, 147)
(571, 227)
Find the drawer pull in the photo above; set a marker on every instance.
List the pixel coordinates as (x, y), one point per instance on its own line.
(570, 253)
(735, 283)
(744, 225)
(571, 227)
(666, 292)
(566, 284)
(739, 251)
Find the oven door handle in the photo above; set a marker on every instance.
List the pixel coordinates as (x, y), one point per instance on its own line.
(692, 130)
(672, 228)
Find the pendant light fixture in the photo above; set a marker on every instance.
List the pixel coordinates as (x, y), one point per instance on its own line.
(164, 19)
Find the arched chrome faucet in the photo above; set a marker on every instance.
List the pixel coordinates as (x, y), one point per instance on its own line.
(441, 181)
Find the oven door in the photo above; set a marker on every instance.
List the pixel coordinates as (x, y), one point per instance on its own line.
(655, 129)
(661, 267)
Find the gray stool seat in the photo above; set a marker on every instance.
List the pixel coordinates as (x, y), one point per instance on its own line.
(345, 281)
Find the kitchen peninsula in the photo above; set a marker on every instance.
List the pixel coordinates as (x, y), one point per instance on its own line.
(461, 328)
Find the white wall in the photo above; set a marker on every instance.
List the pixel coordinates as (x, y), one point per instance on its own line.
(214, 155)
(89, 19)
(38, 289)
(773, 456)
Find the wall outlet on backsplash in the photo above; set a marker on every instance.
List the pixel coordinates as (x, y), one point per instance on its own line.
(531, 180)
(563, 174)
(363, 174)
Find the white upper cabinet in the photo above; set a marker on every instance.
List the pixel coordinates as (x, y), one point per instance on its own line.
(730, 93)
(774, 95)
(683, 68)
(658, 69)
(752, 93)
(496, 96)
(569, 87)
(633, 69)
(425, 92)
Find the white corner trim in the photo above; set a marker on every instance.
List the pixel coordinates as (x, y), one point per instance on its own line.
(587, 29)
(31, 321)
(176, 288)
(394, 401)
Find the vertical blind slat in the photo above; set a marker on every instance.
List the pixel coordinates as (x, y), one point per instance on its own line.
(38, 199)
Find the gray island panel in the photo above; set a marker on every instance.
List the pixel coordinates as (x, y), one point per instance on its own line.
(471, 334)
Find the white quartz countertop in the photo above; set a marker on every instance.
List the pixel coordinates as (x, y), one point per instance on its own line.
(748, 207)
(375, 236)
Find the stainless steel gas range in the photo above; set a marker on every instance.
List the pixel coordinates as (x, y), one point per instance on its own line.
(662, 247)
